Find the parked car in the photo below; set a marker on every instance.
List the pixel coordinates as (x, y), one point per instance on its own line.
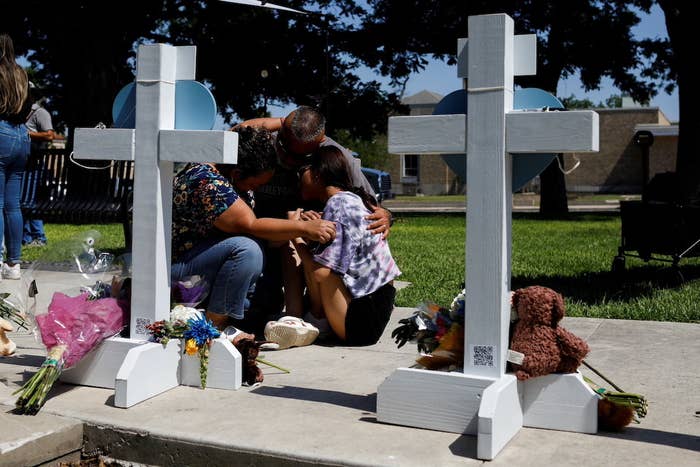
(380, 181)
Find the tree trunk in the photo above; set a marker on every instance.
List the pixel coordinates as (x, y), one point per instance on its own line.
(553, 202)
(687, 159)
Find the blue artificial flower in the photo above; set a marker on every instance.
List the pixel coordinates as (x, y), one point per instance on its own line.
(201, 330)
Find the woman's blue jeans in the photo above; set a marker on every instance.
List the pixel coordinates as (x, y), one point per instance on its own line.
(231, 266)
(14, 149)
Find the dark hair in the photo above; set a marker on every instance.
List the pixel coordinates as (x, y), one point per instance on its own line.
(256, 153)
(332, 168)
(307, 124)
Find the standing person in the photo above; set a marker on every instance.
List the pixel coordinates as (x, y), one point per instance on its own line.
(349, 280)
(296, 136)
(215, 232)
(14, 150)
(41, 133)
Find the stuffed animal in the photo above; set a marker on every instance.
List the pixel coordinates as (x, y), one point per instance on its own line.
(547, 347)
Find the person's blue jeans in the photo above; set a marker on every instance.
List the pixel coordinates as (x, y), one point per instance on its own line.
(33, 230)
(231, 266)
(14, 149)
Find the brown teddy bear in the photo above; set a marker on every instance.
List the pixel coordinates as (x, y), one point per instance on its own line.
(547, 347)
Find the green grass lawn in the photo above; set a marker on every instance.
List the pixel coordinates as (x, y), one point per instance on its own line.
(62, 239)
(572, 256)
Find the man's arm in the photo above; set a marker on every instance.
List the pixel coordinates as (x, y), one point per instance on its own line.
(268, 123)
(48, 135)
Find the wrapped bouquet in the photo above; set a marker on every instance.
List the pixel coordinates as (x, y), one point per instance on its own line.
(73, 324)
(438, 333)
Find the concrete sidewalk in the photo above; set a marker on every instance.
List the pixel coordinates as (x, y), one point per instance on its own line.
(323, 412)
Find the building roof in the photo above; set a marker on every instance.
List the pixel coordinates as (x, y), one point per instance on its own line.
(424, 97)
(657, 129)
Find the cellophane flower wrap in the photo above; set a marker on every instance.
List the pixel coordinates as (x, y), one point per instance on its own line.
(74, 323)
(190, 292)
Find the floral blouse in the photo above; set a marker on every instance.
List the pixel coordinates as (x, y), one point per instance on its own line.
(200, 195)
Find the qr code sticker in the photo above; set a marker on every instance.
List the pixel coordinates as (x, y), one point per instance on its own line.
(482, 355)
(141, 324)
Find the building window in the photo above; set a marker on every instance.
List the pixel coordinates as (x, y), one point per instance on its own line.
(410, 166)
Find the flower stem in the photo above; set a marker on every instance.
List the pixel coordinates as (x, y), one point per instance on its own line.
(272, 365)
(33, 393)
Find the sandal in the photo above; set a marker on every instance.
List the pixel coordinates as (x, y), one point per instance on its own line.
(290, 331)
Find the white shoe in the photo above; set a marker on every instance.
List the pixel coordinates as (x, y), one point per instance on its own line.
(11, 272)
(289, 331)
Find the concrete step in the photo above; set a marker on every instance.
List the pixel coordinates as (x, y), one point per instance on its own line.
(41, 439)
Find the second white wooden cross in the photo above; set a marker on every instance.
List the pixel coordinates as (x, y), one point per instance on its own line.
(484, 399)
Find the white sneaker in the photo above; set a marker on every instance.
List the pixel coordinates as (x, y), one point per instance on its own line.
(11, 272)
(289, 331)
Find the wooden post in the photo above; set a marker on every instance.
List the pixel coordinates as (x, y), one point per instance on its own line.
(484, 399)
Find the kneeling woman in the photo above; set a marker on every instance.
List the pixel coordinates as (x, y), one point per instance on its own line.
(215, 232)
(349, 280)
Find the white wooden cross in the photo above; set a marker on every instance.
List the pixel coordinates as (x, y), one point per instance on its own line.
(136, 369)
(484, 399)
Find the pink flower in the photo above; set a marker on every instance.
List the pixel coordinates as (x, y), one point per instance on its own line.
(79, 324)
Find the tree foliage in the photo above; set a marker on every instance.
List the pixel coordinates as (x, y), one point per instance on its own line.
(586, 37)
(253, 57)
(572, 102)
(250, 57)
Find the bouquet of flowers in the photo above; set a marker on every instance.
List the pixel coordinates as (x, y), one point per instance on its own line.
(189, 324)
(72, 325)
(438, 333)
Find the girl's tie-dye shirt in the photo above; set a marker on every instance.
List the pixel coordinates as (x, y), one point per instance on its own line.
(361, 257)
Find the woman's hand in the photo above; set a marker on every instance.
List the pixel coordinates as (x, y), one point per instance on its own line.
(310, 215)
(320, 230)
(381, 221)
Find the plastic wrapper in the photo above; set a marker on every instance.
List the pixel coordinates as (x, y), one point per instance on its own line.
(78, 318)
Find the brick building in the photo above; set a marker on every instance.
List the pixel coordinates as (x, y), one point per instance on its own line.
(616, 168)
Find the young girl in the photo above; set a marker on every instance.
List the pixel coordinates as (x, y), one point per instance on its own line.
(349, 280)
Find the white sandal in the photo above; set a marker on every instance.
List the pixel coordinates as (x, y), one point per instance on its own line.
(290, 331)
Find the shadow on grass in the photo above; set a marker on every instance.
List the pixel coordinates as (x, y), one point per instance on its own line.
(599, 287)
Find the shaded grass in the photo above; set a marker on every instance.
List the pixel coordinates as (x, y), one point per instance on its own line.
(572, 256)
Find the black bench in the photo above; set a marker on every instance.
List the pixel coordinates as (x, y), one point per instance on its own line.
(55, 189)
